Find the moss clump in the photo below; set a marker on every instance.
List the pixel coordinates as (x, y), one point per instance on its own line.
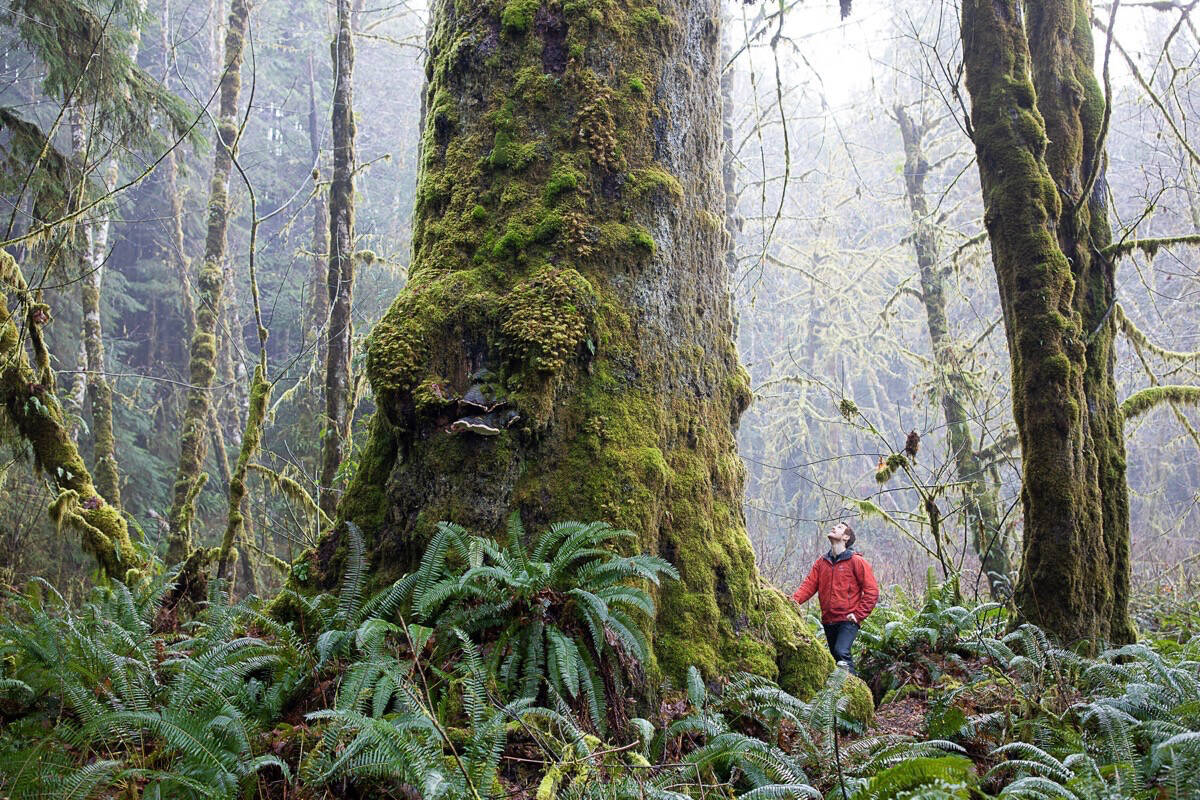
(517, 15)
(547, 317)
(637, 86)
(647, 18)
(421, 320)
(508, 153)
(562, 180)
(860, 705)
(640, 237)
(479, 213)
(888, 467)
(649, 181)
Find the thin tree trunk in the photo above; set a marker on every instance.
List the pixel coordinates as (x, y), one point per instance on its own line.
(99, 390)
(563, 347)
(979, 496)
(318, 307)
(341, 263)
(260, 396)
(1034, 151)
(203, 351)
(175, 244)
(95, 381)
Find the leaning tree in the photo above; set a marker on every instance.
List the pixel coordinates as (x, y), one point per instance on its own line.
(564, 345)
(1038, 119)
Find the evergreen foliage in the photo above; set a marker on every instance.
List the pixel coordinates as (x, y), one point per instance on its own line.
(109, 699)
(565, 615)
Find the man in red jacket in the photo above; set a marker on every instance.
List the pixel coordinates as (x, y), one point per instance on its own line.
(845, 587)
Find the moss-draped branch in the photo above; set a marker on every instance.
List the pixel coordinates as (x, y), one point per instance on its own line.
(32, 409)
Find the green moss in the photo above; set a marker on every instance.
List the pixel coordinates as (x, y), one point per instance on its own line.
(508, 153)
(637, 86)
(479, 213)
(649, 181)
(640, 237)
(646, 18)
(860, 705)
(562, 180)
(711, 221)
(517, 15)
(547, 316)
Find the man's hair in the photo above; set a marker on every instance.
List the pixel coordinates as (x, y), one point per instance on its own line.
(850, 534)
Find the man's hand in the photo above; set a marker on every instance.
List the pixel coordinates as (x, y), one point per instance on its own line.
(853, 618)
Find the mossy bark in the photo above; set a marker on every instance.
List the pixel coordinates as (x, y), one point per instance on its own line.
(979, 495)
(569, 268)
(235, 531)
(100, 395)
(203, 350)
(1036, 114)
(98, 390)
(30, 405)
(340, 277)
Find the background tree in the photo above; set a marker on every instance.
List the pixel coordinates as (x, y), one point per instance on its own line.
(340, 279)
(1038, 117)
(203, 364)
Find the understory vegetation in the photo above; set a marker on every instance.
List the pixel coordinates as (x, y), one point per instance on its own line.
(502, 669)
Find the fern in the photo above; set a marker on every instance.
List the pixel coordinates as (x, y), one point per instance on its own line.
(560, 615)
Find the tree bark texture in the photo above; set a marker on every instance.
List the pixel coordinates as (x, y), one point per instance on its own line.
(980, 504)
(340, 277)
(203, 351)
(564, 346)
(1036, 114)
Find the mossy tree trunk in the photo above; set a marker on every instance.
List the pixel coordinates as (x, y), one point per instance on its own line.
(100, 394)
(979, 495)
(317, 311)
(30, 405)
(340, 278)
(564, 345)
(203, 351)
(175, 243)
(1036, 115)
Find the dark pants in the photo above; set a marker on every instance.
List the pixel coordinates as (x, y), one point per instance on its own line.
(840, 636)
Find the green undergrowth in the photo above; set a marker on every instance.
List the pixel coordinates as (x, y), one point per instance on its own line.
(404, 693)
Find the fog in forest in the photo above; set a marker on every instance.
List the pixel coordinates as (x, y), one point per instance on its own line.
(825, 283)
(453, 399)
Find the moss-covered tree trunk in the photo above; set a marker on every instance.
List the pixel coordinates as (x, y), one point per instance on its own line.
(203, 351)
(564, 345)
(174, 256)
(340, 278)
(30, 406)
(99, 390)
(317, 310)
(1037, 156)
(979, 494)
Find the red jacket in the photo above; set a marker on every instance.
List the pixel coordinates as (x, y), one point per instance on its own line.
(843, 585)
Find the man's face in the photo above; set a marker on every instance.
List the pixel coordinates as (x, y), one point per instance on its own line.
(838, 533)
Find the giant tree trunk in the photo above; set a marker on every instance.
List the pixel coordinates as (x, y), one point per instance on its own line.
(203, 356)
(564, 346)
(979, 496)
(1036, 154)
(341, 262)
